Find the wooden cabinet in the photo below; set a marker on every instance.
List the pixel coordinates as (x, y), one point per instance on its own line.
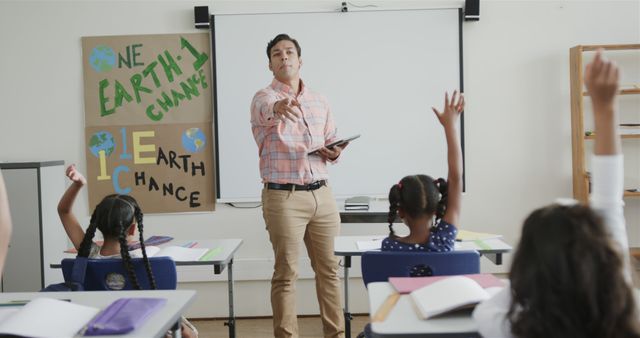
(629, 64)
(38, 237)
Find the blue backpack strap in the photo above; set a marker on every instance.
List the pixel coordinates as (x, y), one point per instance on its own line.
(79, 270)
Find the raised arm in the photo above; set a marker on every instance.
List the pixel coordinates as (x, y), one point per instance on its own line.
(268, 110)
(5, 224)
(449, 119)
(65, 206)
(601, 79)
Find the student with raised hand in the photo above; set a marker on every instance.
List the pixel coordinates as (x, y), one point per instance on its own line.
(570, 276)
(116, 216)
(418, 198)
(5, 224)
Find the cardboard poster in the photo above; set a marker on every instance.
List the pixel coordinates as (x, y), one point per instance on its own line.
(148, 120)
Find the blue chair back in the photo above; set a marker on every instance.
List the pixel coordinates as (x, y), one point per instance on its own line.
(110, 274)
(378, 266)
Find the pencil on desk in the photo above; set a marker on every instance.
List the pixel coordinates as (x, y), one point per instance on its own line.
(385, 308)
(190, 244)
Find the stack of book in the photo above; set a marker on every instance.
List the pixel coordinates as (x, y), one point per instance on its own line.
(357, 203)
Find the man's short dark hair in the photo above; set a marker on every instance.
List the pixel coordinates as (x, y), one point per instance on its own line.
(282, 37)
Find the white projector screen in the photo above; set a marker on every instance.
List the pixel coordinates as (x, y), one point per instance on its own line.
(381, 72)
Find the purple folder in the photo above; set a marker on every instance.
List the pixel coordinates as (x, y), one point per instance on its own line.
(123, 315)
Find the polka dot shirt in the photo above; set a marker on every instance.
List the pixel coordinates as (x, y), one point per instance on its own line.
(441, 239)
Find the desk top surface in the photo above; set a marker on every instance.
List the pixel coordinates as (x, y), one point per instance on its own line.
(155, 326)
(348, 245)
(402, 320)
(227, 249)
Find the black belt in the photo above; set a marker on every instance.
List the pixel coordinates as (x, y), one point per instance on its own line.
(288, 186)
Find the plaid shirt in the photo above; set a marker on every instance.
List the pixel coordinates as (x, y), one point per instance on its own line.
(283, 145)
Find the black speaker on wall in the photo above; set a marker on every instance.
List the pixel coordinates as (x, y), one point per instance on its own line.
(201, 15)
(472, 10)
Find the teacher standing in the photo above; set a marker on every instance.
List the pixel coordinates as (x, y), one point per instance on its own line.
(288, 121)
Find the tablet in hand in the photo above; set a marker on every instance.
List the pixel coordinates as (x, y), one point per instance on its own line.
(336, 143)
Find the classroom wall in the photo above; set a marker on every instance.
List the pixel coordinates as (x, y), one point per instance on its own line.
(517, 124)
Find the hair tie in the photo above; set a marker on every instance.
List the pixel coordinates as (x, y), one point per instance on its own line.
(400, 185)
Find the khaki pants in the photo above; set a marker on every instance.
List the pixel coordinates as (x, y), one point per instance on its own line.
(291, 217)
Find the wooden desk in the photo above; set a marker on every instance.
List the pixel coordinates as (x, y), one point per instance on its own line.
(222, 259)
(347, 247)
(157, 325)
(403, 321)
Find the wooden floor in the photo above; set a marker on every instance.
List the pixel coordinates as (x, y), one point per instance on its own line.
(310, 327)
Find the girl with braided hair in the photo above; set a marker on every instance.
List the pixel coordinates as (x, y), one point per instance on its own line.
(418, 199)
(116, 216)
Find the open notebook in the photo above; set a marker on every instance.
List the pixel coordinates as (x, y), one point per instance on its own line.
(177, 253)
(52, 318)
(407, 284)
(371, 244)
(449, 294)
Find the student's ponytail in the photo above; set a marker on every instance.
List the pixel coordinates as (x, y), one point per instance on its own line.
(441, 208)
(145, 259)
(395, 196)
(87, 240)
(124, 253)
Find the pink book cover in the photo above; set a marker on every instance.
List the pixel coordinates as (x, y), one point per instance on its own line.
(407, 284)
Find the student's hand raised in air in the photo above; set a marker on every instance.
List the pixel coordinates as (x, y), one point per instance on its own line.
(75, 176)
(452, 109)
(601, 78)
(287, 108)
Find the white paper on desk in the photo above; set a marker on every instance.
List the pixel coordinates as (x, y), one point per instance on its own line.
(8, 311)
(469, 236)
(177, 253)
(47, 317)
(372, 244)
